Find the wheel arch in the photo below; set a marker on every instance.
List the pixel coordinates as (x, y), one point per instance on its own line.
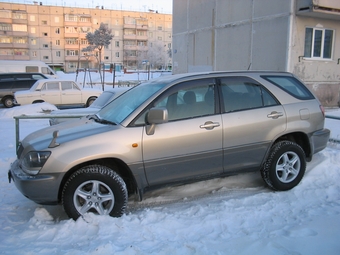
(89, 100)
(115, 164)
(301, 139)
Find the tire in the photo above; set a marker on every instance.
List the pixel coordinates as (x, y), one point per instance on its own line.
(96, 189)
(8, 102)
(285, 166)
(37, 102)
(90, 101)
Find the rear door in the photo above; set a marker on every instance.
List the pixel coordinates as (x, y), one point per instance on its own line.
(252, 118)
(189, 145)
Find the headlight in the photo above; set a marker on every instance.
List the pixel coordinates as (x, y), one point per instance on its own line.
(34, 161)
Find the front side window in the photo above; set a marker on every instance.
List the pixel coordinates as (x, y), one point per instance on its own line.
(242, 93)
(318, 43)
(191, 99)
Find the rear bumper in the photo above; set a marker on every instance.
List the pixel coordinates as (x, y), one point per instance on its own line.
(319, 139)
(42, 189)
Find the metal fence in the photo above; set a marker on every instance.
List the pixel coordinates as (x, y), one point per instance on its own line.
(17, 124)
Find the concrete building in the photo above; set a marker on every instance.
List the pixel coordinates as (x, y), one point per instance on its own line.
(56, 35)
(299, 36)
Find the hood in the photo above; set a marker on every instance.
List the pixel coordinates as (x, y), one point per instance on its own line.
(79, 111)
(67, 131)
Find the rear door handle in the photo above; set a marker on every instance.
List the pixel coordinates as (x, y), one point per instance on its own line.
(275, 115)
(210, 125)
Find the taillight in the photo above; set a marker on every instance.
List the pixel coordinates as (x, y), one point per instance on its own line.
(322, 110)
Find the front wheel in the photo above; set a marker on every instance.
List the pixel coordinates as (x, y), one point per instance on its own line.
(97, 189)
(285, 166)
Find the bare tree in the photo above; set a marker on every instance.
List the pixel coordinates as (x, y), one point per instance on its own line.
(99, 39)
(157, 55)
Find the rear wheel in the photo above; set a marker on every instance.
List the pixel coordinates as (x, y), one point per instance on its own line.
(8, 101)
(97, 189)
(285, 166)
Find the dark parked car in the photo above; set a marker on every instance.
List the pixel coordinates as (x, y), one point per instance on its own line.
(12, 82)
(175, 129)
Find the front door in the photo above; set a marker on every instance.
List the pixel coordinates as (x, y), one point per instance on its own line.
(189, 145)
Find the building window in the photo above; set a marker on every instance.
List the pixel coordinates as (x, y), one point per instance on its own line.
(34, 54)
(21, 40)
(5, 39)
(45, 45)
(32, 18)
(117, 43)
(20, 52)
(57, 42)
(45, 34)
(34, 41)
(56, 19)
(33, 30)
(5, 14)
(72, 53)
(57, 30)
(57, 53)
(106, 57)
(19, 15)
(160, 28)
(71, 41)
(71, 17)
(318, 43)
(44, 22)
(19, 27)
(160, 38)
(45, 57)
(5, 27)
(117, 54)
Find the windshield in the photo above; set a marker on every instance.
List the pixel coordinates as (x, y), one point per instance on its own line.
(123, 106)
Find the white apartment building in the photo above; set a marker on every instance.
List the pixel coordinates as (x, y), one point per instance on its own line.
(57, 35)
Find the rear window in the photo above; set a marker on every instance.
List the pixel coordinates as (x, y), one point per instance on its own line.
(291, 85)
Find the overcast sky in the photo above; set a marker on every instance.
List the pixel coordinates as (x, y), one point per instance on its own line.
(162, 6)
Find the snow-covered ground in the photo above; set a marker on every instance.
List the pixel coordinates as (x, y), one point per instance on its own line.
(233, 215)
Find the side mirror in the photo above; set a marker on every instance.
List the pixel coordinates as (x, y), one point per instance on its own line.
(155, 116)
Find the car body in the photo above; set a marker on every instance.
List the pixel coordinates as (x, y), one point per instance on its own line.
(60, 92)
(106, 97)
(12, 82)
(171, 130)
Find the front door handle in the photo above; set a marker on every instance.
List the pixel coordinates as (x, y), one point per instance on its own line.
(275, 115)
(210, 125)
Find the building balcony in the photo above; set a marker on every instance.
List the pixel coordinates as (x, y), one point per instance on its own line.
(71, 58)
(319, 9)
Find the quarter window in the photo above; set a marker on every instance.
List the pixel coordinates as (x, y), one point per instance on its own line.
(318, 43)
(291, 85)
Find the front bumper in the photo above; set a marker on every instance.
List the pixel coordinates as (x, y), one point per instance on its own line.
(42, 189)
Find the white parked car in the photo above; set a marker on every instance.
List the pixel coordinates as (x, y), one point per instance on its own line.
(105, 98)
(59, 92)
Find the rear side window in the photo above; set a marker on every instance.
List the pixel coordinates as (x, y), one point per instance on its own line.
(291, 85)
(242, 93)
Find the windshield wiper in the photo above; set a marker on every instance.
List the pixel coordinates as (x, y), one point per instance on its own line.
(102, 121)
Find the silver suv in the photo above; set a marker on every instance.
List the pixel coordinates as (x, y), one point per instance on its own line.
(175, 129)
